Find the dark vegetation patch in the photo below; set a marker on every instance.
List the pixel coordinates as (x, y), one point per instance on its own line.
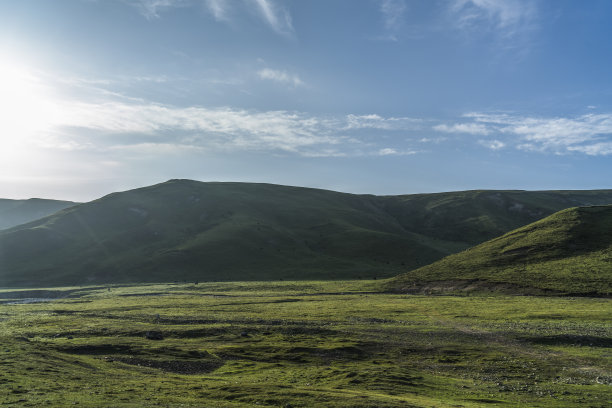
(172, 366)
(294, 354)
(349, 353)
(143, 294)
(571, 340)
(488, 400)
(470, 286)
(90, 349)
(41, 294)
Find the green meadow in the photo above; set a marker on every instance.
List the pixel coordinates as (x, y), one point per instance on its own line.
(301, 344)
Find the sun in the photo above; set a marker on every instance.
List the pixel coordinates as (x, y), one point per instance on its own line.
(24, 105)
(27, 110)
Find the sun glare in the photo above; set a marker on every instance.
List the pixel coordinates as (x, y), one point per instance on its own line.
(26, 110)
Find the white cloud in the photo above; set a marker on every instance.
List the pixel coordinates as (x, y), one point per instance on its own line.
(436, 140)
(273, 14)
(374, 121)
(509, 25)
(597, 149)
(218, 8)
(470, 128)
(155, 149)
(152, 8)
(388, 151)
(239, 128)
(590, 134)
(128, 125)
(507, 16)
(492, 144)
(277, 17)
(393, 17)
(280, 76)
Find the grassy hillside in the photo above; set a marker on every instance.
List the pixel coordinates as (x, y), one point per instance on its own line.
(472, 217)
(187, 230)
(15, 212)
(211, 231)
(569, 252)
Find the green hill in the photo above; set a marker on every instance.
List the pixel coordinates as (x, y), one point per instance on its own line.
(188, 230)
(569, 252)
(210, 231)
(15, 212)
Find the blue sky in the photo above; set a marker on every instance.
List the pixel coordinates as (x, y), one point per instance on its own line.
(364, 96)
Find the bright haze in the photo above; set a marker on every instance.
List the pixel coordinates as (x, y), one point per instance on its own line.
(364, 96)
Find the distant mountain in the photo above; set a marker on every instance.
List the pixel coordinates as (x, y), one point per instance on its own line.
(188, 230)
(569, 252)
(15, 212)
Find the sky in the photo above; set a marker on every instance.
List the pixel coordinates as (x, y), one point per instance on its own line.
(361, 96)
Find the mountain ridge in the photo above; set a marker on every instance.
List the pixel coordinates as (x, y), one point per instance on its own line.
(190, 230)
(17, 212)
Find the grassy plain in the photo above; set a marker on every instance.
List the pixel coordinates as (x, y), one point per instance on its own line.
(301, 344)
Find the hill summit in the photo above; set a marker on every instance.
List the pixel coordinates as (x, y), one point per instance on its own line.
(568, 252)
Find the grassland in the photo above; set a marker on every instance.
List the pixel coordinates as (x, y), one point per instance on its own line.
(301, 344)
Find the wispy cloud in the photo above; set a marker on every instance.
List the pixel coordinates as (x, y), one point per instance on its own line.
(492, 144)
(272, 13)
(596, 149)
(508, 25)
(389, 151)
(469, 128)
(506, 16)
(277, 17)
(125, 124)
(218, 8)
(374, 121)
(280, 76)
(393, 17)
(590, 134)
(151, 9)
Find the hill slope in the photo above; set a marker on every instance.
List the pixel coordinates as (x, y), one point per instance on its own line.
(568, 252)
(16, 212)
(187, 230)
(472, 217)
(210, 231)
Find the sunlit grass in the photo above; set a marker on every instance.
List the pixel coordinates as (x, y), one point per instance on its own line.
(303, 344)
